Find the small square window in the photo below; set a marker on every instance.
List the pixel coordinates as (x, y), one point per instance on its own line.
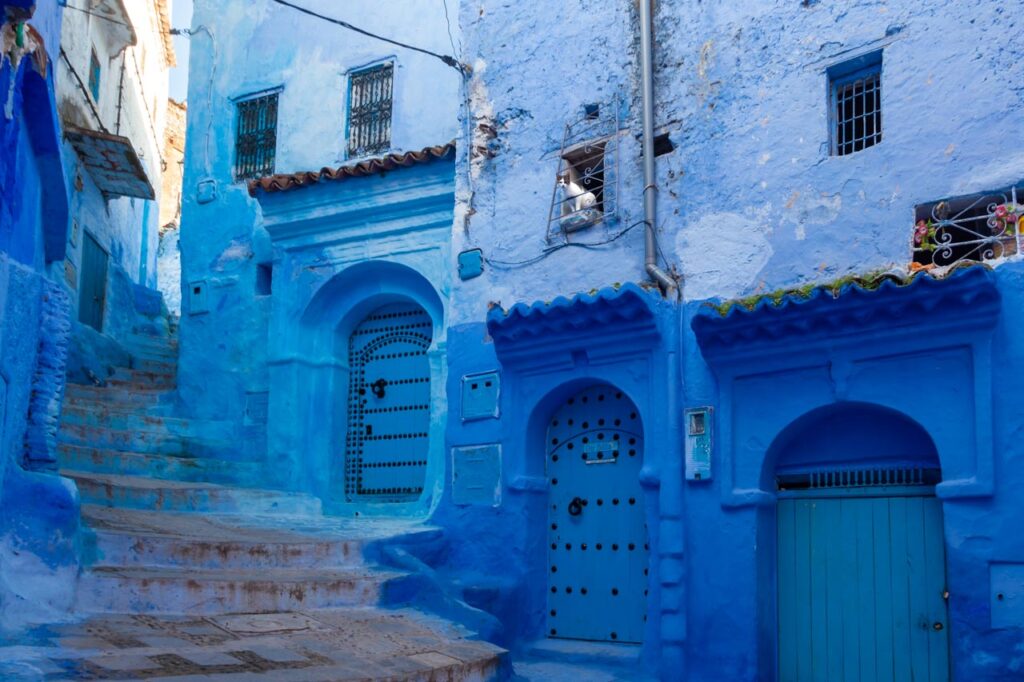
(94, 76)
(370, 100)
(256, 137)
(855, 90)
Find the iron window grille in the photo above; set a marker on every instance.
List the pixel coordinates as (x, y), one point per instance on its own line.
(979, 227)
(370, 103)
(869, 477)
(94, 76)
(855, 89)
(586, 178)
(256, 137)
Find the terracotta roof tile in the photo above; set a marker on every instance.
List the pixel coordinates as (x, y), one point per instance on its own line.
(290, 181)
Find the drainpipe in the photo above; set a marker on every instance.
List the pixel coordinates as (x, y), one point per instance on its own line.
(667, 284)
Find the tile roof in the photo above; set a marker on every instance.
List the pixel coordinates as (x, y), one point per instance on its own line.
(290, 181)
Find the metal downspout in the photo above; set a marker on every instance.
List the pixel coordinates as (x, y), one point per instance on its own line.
(667, 284)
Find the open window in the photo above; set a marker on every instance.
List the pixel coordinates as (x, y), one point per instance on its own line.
(584, 192)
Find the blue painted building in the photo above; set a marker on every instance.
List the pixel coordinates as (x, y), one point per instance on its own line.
(740, 415)
(38, 509)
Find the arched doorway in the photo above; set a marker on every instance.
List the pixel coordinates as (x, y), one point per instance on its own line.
(388, 421)
(861, 579)
(597, 537)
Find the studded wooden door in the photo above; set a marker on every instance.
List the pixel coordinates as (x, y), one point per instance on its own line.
(862, 581)
(388, 405)
(597, 538)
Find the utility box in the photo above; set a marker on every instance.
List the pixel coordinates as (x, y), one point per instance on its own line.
(471, 264)
(698, 444)
(480, 395)
(476, 475)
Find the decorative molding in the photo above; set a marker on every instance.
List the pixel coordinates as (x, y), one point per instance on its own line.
(966, 299)
(613, 322)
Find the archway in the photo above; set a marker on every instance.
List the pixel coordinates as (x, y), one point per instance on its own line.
(368, 379)
(860, 555)
(597, 535)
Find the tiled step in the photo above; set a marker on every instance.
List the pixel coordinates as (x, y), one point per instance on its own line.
(138, 492)
(354, 643)
(152, 441)
(99, 460)
(123, 537)
(127, 418)
(197, 591)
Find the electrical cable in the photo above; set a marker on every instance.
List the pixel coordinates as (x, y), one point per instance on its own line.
(450, 61)
(98, 16)
(448, 22)
(592, 246)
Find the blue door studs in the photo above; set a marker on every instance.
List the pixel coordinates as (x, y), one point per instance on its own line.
(388, 405)
(597, 553)
(861, 577)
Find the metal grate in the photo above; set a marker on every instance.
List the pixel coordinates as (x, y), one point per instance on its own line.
(859, 478)
(857, 110)
(585, 180)
(256, 137)
(979, 227)
(369, 110)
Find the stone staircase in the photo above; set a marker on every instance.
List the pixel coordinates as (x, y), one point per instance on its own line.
(172, 532)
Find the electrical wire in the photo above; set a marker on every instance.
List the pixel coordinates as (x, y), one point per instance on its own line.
(98, 16)
(449, 60)
(592, 246)
(448, 22)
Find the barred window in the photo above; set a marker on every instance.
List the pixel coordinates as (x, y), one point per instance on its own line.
(369, 110)
(256, 137)
(856, 107)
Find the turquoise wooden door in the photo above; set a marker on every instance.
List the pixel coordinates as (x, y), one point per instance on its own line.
(597, 538)
(862, 585)
(388, 405)
(92, 290)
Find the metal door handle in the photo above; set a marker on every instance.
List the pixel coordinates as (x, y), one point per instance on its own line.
(576, 507)
(937, 626)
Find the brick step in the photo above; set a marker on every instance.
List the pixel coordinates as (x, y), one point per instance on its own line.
(125, 376)
(139, 492)
(196, 591)
(112, 394)
(172, 467)
(157, 366)
(125, 537)
(153, 442)
(125, 418)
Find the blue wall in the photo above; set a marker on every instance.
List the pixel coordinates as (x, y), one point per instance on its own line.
(38, 509)
(750, 201)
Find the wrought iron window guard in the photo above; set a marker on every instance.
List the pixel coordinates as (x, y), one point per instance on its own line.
(586, 181)
(256, 137)
(876, 476)
(978, 228)
(370, 103)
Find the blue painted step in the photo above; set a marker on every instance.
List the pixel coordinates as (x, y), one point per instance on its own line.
(198, 469)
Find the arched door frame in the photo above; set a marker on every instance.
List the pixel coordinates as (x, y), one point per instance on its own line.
(767, 518)
(322, 336)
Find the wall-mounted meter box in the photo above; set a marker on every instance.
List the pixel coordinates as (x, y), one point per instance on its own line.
(698, 444)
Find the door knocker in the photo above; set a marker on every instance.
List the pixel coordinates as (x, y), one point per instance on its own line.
(378, 387)
(576, 507)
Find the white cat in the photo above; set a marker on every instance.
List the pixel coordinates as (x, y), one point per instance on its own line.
(574, 197)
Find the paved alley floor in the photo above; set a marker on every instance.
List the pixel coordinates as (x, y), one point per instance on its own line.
(336, 644)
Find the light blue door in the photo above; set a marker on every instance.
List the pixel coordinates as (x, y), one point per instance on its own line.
(388, 405)
(862, 584)
(92, 290)
(597, 539)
